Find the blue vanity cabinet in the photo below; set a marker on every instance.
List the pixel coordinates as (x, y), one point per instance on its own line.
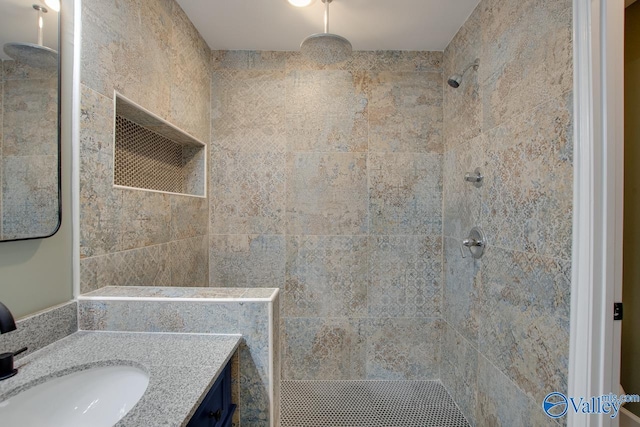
(216, 409)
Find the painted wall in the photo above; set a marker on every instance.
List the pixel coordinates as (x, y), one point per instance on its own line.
(37, 274)
(507, 314)
(326, 181)
(629, 372)
(150, 53)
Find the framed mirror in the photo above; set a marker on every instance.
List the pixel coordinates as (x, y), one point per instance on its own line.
(29, 119)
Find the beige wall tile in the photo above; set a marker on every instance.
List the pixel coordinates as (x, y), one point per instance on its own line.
(405, 112)
(326, 194)
(152, 54)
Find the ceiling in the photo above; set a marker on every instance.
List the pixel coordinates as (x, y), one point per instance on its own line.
(368, 24)
(18, 23)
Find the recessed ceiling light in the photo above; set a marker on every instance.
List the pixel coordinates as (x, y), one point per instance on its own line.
(300, 3)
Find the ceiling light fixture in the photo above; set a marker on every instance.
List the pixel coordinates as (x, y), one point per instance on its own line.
(300, 3)
(326, 48)
(53, 4)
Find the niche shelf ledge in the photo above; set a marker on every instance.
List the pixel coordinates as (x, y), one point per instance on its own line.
(151, 154)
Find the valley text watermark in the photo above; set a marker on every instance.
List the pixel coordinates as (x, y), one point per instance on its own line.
(556, 404)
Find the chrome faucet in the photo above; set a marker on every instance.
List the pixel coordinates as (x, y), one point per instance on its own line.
(7, 324)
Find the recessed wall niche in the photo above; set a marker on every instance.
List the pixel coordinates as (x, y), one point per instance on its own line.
(154, 155)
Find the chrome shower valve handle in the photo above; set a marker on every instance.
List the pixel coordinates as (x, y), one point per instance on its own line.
(476, 243)
(469, 243)
(472, 242)
(476, 177)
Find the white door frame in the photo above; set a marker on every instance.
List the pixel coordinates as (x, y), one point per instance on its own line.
(594, 360)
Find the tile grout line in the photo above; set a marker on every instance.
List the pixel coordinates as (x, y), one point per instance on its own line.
(480, 354)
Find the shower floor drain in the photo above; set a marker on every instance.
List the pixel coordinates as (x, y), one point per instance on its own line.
(368, 404)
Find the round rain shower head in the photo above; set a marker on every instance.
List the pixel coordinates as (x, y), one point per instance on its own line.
(456, 80)
(326, 48)
(33, 55)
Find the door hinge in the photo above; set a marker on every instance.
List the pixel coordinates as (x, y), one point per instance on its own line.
(617, 311)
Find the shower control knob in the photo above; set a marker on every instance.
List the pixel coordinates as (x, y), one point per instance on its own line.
(476, 177)
(472, 242)
(475, 243)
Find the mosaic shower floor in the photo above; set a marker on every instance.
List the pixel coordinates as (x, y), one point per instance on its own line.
(368, 404)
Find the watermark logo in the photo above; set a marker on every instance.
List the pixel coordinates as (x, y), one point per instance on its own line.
(556, 404)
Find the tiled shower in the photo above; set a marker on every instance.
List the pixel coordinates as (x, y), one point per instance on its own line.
(343, 186)
(327, 183)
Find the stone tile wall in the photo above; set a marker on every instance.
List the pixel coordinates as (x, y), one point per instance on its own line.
(507, 314)
(28, 151)
(326, 181)
(152, 54)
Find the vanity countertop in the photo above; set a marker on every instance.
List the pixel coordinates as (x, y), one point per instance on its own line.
(182, 367)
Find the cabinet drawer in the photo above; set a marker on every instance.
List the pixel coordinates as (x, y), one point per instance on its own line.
(216, 409)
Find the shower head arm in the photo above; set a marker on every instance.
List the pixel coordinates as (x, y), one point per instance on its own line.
(41, 10)
(475, 64)
(455, 80)
(326, 15)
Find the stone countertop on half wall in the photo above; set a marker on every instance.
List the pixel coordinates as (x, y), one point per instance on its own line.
(253, 313)
(181, 368)
(151, 292)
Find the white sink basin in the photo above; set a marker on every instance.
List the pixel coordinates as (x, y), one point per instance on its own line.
(94, 397)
